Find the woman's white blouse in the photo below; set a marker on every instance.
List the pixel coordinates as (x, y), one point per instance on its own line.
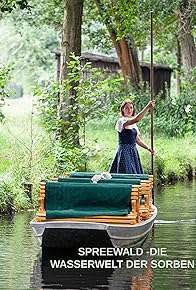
(120, 123)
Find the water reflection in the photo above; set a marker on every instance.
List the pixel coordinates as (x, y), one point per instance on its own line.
(179, 240)
(123, 277)
(177, 202)
(175, 229)
(18, 250)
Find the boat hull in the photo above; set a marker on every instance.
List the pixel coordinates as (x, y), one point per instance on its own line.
(119, 235)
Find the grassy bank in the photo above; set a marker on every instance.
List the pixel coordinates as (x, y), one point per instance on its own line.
(25, 156)
(174, 159)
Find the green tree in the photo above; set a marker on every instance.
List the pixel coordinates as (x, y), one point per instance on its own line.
(12, 4)
(32, 51)
(111, 13)
(128, 23)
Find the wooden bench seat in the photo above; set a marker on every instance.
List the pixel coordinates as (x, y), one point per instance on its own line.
(130, 218)
(145, 188)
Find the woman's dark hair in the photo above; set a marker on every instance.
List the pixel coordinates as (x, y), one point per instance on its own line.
(127, 101)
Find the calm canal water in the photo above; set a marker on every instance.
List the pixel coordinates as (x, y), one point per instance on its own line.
(173, 233)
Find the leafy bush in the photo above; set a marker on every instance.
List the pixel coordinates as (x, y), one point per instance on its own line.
(12, 197)
(6, 198)
(176, 116)
(4, 78)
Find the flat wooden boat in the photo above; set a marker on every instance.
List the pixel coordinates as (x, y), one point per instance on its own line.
(121, 208)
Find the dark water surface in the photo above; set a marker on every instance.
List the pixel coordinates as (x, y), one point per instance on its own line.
(173, 233)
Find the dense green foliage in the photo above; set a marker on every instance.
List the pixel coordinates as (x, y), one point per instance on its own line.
(4, 81)
(31, 36)
(175, 116)
(30, 50)
(12, 4)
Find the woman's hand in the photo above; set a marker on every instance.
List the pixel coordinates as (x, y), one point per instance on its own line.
(151, 104)
(151, 150)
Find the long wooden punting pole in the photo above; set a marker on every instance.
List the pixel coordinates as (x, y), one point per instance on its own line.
(152, 95)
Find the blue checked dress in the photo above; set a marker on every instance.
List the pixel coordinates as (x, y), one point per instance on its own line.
(127, 159)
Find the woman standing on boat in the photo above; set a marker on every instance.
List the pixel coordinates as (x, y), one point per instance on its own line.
(127, 159)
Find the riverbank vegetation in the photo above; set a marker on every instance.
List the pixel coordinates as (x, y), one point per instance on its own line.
(28, 155)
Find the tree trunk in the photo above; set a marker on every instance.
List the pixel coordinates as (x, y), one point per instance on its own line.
(136, 69)
(125, 49)
(71, 42)
(185, 16)
(179, 67)
(128, 58)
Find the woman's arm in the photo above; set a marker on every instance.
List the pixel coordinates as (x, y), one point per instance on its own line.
(143, 145)
(140, 115)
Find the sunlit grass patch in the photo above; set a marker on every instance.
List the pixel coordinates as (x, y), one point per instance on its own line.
(4, 165)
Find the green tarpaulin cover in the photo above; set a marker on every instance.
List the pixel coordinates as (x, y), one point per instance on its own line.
(114, 175)
(88, 180)
(64, 199)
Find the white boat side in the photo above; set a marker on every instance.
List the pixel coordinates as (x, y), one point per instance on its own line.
(120, 235)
